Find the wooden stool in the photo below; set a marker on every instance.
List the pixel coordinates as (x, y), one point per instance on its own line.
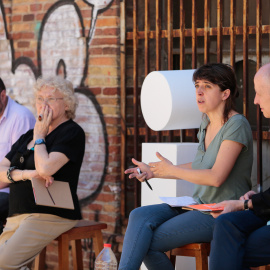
(200, 251)
(84, 229)
(265, 267)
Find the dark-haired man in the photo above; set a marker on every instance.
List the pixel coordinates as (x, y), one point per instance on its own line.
(15, 120)
(241, 237)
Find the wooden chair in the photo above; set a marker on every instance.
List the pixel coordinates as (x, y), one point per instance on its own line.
(84, 229)
(200, 251)
(265, 267)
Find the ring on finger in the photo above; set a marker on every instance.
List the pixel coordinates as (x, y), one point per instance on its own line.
(40, 117)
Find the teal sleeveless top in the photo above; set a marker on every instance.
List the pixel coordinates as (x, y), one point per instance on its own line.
(236, 129)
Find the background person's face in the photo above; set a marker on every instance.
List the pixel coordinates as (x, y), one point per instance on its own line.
(262, 97)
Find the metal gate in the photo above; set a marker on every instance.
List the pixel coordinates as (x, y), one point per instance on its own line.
(184, 34)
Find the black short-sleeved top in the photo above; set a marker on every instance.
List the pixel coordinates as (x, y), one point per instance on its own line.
(69, 139)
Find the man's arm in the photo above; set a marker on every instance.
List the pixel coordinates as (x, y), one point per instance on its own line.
(3, 185)
(25, 120)
(22, 125)
(235, 205)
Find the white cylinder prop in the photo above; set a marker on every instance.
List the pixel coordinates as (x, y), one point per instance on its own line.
(168, 100)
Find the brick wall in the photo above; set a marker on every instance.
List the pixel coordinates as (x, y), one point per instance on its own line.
(44, 37)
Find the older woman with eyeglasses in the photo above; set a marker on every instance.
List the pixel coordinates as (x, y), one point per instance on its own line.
(54, 149)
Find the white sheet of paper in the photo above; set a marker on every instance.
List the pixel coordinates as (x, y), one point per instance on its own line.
(178, 201)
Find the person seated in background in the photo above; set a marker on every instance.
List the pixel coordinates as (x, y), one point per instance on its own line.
(54, 149)
(241, 239)
(221, 170)
(15, 120)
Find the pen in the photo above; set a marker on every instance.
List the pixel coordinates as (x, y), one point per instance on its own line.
(50, 195)
(139, 172)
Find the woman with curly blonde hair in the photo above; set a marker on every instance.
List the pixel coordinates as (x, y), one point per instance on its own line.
(54, 149)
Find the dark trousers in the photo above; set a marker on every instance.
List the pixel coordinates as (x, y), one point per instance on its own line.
(4, 202)
(240, 240)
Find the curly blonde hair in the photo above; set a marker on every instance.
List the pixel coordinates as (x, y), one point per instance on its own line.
(64, 86)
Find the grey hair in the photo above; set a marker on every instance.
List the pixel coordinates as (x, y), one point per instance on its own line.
(64, 86)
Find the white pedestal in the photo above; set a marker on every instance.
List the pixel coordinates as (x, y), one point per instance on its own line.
(177, 153)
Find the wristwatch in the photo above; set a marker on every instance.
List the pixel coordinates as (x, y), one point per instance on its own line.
(246, 205)
(39, 141)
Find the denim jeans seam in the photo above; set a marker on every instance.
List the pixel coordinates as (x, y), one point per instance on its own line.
(181, 232)
(133, 248)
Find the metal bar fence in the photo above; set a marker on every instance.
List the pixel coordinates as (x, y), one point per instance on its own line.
(183, 33)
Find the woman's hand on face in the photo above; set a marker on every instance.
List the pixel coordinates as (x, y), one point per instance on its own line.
(162, 168)
(248, 195)
(144, 168)
(42, 126)
(229, 206)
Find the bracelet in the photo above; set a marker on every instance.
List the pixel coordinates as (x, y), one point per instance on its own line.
(8, 173)
(246, 205)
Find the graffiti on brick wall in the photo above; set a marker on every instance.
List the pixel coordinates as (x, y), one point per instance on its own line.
(62, 48)
(97, 5)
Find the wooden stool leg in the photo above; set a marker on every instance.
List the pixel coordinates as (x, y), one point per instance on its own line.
(201, 260)
(77, 254)
(173, 260)
(98, 242)
(171, 257)
(63, 253)
(39, 263)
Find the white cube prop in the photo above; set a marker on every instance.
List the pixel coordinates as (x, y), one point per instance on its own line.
(168, 102)
(177, 153)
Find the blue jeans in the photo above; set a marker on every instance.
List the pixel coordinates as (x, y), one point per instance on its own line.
(240, 240)
(155, 229)
(257, 251)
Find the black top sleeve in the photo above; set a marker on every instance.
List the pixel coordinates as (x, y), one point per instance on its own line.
(69, 142)
(19, 144)
(261, 204)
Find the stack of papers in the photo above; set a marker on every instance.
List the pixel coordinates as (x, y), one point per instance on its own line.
(204, 207)
(188, 203)
(178, 201)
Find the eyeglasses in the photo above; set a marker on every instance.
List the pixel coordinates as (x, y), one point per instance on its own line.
(51, 100)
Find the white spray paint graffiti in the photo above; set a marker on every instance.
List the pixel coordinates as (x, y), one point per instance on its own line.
(61, 39)
(97, 6)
